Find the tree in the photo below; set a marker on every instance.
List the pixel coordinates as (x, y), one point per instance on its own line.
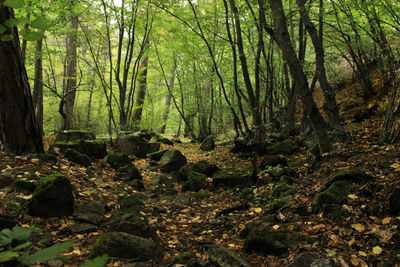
(19, 131)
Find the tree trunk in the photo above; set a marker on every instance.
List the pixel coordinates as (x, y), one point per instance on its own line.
(141, 94)
(70, 75)
(167, 105)
(330, 106)
(38, 85)
(19, 131)
(281, 36)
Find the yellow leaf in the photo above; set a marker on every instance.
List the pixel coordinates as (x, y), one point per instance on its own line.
(258, 210)
(377, 250)
(362, 253)
(358, 226)
(395, 165)
(276, 227)
(76, 251)
(34, 160)
(352, 196)
(231, 245)
(335, 238)
(386, 220)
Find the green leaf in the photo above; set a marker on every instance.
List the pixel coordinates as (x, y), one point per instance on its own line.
(33, 36)
(14, 3)
(41, 23)
(45, 254)
(2, 29)
(22, 246)
(22, 233)
(11, 22)
(8, 255)
(96, 262)
(6, 235)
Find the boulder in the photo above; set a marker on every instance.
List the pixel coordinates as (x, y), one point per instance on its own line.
(203, 167)
(286, 147)
(394, 202)
(14, 207)
(157, 155)
(95, 149)
(354, 175)
(126, 246)
(195, 182)
(208, 144)
(52, 197)
(131, 202)
(311, 259)
(272, 242)
(131, 223)
(73, 135)
(166, 141)
(23, 186)
(135, 145)
(172, 160)
(78, 158)
(335, 194)
(272, 161)
(117, 160)
(223, 257)
(128, 172)
(91, 212)
(6, 179)
(187, 259)
(45, 158)
(83, 228)
(231, 178)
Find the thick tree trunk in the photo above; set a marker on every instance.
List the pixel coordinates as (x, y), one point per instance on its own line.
(281, 36)
(19, 131)
(167, 105)
(70, 75)
(38, 85)
(141, 94)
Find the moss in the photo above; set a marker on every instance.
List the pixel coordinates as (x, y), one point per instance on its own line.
(287, 180)
(280, 189)
(201, 195)
(335, 194)
(156, 155)
(130, 201)
(195, 182)
(246, 194)
(45, 158)
(231, 177)
(117, 160)
(23, 186)
(356, 175)
(76, 157)
(286, 147)
(132, 170)
(275, 205)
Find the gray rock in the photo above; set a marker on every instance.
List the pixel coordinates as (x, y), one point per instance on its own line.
(303, 260)
(187, 259)
(354, 175)
(73, 135)
(232, 177)
(195, 182)
(14, 207)
(126, 246)
(202, 167)
(394, 202)
(131, 223)
(52, 197)
(172, 160)
(117, 160)
(208, 144)
(135, 145)
(95, 149)
(92, 212)
(335, 194)
(223, 257)
(6, 179)
(83, 228)
(273, 160)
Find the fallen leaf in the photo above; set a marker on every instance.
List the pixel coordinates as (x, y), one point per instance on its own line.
(377, 250)
(362, 253)
(395, 165)
(335, 238)
(352, 196)
(386, 220)
(358, 226)
(276, 227)
(258, 210)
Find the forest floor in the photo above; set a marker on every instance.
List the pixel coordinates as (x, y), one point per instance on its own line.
(359, 238)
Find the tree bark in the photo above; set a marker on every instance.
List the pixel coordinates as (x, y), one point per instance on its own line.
(281, 36)
(38, 85)
(19, 131)
(167, 104)
(70, 75)
(141, 94)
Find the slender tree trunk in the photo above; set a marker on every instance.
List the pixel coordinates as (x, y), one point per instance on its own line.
(167, 104)
(38, 85)
(330, 105)
(141, 94)
(19, 131)
(70, 75)
(282, 37)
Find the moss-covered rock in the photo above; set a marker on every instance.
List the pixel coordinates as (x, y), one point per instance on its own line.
(45, 158)
(208, 143)
(95, 149)
(355, 175)
(187, 259)
(280, 189)
(223, 257)
(52, 197)
(231, 178)
(195, 182)
(275, 205)
(130, 201)
(166, 141)
(117, 160)
(23, 186)
(135, 145)
(126, 246)
(335, 194)
(272, 160)
(74, 135)
(132, 170)
(78, 158)
(201, 195)
(272, 242)
(172, 160)
(157, 155)
(288, 180)
(203, 167)
(286, 147)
